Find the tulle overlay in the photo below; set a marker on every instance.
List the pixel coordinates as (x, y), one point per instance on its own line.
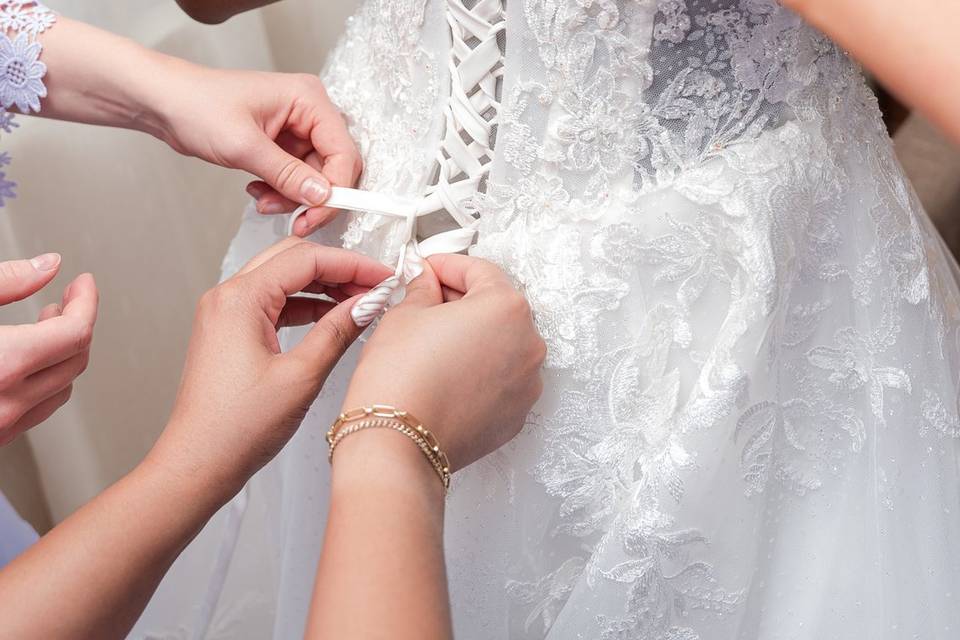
(750, 424)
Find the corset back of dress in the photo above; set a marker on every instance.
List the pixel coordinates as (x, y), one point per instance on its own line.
(749, 427)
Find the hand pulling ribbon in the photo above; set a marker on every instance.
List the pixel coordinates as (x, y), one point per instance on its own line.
(412, 253)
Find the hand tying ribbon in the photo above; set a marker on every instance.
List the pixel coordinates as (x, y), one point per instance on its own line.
(412, 253)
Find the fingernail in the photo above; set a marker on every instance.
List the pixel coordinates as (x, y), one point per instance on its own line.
(255, 191)
(372, 304)
(314, 191)
(46, 262)
(270, 207)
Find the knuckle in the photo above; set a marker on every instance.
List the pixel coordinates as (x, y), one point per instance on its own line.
(83, 336)
(311, 82)
(336, 334)
(9, 271)
(10, 413)
(540, 352)
(286, 175)
(83, 363)
(515, 304)
(13, 371)
(239, 149)
(223, 296)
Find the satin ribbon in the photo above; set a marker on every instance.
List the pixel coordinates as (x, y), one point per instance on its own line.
(412, 253)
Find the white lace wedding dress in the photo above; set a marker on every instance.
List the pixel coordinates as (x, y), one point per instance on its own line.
(750, 424)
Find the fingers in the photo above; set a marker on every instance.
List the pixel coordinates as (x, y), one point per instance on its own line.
(301, 263)
(56, 338)
(80, 302)
(451, 295)
(269, 200)
(466, 274)
(52, 310)
(20, 279)
(36, 415)
(269, 252)
(293, 178)
(44, 384)
(328, 340)
(424, 290)
(331, 139)
(300, 311)
(294, 265)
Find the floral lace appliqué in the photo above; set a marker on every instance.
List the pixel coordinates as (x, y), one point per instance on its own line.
(21, 71)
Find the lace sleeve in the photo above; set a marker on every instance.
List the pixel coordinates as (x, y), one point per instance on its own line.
(21, 82)
(21, 72)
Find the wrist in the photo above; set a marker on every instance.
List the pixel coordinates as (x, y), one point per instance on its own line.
(155, 104)
(382, 462)
(204, 477)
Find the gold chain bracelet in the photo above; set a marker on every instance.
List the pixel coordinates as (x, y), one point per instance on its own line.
(381, 416)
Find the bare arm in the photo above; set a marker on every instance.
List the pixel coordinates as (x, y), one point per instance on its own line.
(381, 572)
(217, 11)
(283, 128)
(102, 564)
(239, 402)
(910, 47)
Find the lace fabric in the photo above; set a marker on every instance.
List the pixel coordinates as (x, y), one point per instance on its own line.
(750, 424)
(21, 71)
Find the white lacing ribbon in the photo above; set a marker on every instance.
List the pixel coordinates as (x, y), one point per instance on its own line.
(463, 159)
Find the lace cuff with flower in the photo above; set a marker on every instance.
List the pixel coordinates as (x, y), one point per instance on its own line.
(21, 72)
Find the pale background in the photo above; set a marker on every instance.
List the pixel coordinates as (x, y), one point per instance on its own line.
(150, 225)
(153, 227)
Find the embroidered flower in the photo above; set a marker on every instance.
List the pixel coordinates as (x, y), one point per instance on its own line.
(599, 128)
(543, 201)
(26, 17)
(21, 74)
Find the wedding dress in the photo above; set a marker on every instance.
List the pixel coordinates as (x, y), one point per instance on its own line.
(750, 423)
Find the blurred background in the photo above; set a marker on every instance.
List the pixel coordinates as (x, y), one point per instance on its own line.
(153, 226)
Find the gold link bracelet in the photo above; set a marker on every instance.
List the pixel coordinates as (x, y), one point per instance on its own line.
(381, 416)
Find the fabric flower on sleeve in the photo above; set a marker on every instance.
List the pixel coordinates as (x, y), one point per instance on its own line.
(21, 74)
(23, 16)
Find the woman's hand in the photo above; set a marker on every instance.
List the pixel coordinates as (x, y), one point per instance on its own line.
(39, 362)
(240, 398)
(280, 127)
(468, 368)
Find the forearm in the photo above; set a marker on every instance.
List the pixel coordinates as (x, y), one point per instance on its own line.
(216, 11)
(381, 574)
(96, 77)
(909, 47)
(93, 574)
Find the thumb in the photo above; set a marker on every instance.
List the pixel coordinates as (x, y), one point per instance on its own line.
(292, 177)
(424, 290)
(329, 338)
(20, 279)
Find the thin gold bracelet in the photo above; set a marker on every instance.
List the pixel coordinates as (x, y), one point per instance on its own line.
(381, 416)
